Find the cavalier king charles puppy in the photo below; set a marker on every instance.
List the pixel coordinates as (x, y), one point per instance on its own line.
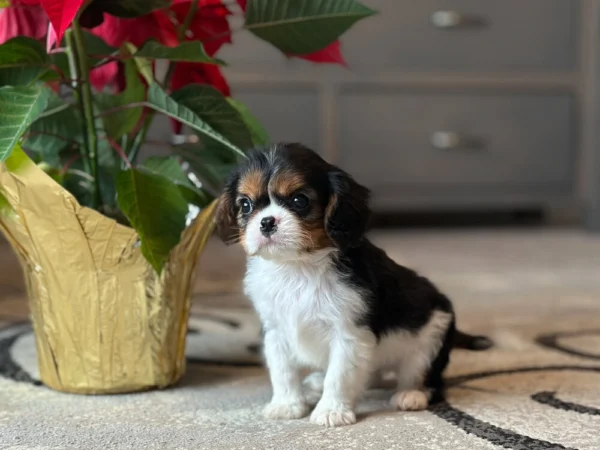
(328, 299)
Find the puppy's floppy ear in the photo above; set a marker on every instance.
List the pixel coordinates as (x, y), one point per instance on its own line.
(226, 214)
(347, 214)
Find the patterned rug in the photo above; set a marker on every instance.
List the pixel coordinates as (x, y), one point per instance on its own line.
(539, 388)
(536, 293)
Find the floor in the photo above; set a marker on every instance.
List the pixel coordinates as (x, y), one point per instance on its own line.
(536, 292)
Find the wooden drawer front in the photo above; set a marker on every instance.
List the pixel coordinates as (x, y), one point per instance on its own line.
(516, 141)
(490, 35)
(287, 115)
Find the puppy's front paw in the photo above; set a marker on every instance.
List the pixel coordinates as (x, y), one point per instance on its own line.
(277, 410)
(332, 416)
(412, 400)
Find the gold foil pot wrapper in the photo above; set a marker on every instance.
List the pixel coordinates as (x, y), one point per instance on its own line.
(104, 321)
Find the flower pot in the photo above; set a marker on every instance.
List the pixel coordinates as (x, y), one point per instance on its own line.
(104, 321)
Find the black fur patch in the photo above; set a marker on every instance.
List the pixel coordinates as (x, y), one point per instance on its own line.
(398, 299)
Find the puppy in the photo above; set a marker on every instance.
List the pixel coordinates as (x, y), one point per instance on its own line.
(328, 299)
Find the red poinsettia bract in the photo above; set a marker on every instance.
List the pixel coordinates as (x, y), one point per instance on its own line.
(26, 18)
(22, 19)
(208, 25)
(116, 31)
(61, 13)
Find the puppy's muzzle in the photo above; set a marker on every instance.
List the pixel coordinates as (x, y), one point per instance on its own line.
(268, 226)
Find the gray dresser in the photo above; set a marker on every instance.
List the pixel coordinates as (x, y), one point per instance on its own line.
(446, 104)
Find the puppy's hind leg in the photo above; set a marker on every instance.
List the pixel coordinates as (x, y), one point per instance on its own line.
(420, 381)
(411, 394)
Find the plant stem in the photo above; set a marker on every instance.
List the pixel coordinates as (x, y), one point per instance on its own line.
(181, 37)
(74, 69)
(140, 137)
(188, 20)
(116, 109)
(73, 142)
(168, 76)
(120, 152)
(88, 110)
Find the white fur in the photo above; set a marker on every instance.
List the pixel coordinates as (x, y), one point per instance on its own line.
(410, 355)
(310, 315)
(284, 242)
(411, 400)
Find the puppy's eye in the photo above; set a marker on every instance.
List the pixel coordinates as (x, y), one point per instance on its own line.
(300, 201)
(246, 206)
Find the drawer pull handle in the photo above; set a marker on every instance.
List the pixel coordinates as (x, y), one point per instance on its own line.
(451, 140)
(454, 19)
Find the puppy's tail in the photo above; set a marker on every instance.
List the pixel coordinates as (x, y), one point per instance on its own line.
(470, 342)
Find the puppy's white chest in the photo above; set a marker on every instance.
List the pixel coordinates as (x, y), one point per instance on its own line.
(305, 301)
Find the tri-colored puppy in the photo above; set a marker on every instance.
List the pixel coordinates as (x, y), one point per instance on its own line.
(330, 300)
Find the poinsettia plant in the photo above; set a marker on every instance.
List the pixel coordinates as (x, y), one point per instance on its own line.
(80, 86)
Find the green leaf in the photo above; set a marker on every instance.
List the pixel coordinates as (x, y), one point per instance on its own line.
(213, 108)
(61, 62)
(144, 65)
(258, 133)
(156, 209)
(109, 163)
(75, 180)
(57, 128)
(6, 210)
(95, 47)
(17, 161)
(192, 51)
(170, 168)
(51, 170)
(209, 165)
(123, 121)
(19, 107)
(163, 103)
(128, 8)
(303, 26)
(55, 103)
(108, 190)
(22, 61)
(107, 155)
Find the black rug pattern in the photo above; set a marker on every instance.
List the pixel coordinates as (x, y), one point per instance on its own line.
(233, 339)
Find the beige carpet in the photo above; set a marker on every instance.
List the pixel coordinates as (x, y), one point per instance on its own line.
(536, 293)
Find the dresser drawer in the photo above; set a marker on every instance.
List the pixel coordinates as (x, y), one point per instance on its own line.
(272, 107)
(483, 35)
(440, 142)
(470, 35)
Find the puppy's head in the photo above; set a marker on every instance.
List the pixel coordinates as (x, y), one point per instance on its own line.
(287, 201)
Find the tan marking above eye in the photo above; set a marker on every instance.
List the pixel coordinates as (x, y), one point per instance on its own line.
(284, 184)
(252, 184)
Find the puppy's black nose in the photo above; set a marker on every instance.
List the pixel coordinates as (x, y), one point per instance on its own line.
(267, 226)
